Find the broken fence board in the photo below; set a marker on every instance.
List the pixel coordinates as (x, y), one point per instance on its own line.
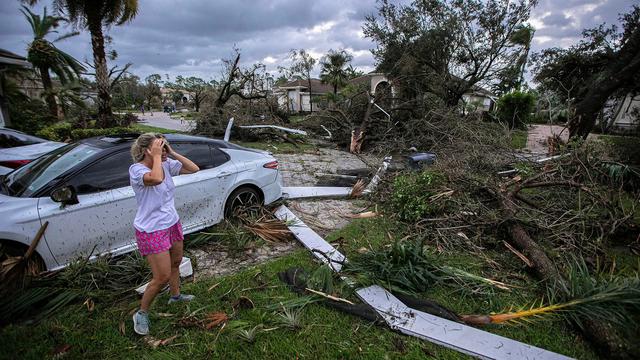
(448, 333)
(319, 247)
(298, 192)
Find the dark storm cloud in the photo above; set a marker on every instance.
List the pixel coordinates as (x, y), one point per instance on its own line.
(191, 37)
(556, 20)
(560, 23)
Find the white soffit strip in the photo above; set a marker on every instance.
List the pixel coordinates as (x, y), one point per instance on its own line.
(298, 192)
(460, 337)
(319, 247)
(456, 336)
(293, 131)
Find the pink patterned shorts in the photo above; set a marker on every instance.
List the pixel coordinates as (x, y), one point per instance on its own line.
(158, 241)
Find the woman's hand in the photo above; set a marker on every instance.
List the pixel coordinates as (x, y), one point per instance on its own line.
(170, 150)
(156, 148)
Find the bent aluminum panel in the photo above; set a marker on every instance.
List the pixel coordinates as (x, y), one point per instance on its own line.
(311, 240)
(460, 337)
(298, 192)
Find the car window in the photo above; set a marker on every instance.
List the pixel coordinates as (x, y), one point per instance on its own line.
(107, 173)
(10, 139)
(219, 157)
(32, 177)
(198, 153)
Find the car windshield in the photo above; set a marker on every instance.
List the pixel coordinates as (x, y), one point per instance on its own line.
(30, 178)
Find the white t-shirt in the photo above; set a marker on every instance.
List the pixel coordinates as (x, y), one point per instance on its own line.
(156, 207)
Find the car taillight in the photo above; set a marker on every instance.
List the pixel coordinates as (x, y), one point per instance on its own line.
(14, 164)
(271, 165)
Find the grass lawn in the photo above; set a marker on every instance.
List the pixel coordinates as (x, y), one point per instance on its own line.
(146, 128)
(325, 333)
(518, 139)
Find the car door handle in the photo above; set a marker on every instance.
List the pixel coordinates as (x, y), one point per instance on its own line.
(225, 173)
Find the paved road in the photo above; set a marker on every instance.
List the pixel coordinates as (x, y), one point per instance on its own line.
(162, 120)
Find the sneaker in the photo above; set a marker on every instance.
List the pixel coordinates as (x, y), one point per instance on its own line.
(181, 297)
(141, 323)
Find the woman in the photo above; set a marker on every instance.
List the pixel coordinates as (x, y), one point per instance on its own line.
(157, 225)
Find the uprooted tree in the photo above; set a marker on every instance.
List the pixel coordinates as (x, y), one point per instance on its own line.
(245, 84)
(444, 48)
(604, 66)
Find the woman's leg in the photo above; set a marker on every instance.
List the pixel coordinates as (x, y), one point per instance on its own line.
(161, 269)
(176, 252)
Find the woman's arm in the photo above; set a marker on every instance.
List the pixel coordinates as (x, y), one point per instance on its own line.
(156, 175)
(188, 166)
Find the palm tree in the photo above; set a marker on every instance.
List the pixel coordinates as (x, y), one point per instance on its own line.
(334, 69)
(45, 56)
(93, 15)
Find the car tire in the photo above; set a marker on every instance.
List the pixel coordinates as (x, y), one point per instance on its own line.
(243, 197)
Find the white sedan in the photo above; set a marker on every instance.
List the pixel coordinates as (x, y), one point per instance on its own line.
(83, 191)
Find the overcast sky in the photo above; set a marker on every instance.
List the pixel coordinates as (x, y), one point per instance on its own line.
(190, 37)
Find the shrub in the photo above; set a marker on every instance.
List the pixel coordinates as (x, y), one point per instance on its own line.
(64, 131)
(29, 115)
(78, 134)
(412, 195)
(57, 132)
(515, 108)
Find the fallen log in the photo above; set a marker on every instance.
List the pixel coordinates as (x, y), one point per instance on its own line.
(606, 339)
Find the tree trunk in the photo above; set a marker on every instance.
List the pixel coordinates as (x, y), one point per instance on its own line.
(310, 102)
(605, 337)
(358, 134)
(621, 70)
(48, 87)
(105, 115)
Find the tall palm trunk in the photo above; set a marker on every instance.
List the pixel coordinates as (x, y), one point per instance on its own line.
(105, 115)
(48, 86)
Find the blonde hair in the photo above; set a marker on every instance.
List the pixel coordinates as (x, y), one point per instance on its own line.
(142, 143)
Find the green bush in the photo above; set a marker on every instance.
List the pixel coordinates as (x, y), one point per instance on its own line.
(515, 108)
(65, 131)
(78, 134)
(57, 132)
(29, 115)
(412, 192)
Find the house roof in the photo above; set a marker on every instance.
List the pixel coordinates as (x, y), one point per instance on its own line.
(317, 87)
(7, 57)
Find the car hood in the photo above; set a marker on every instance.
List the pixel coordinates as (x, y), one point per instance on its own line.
(29, 151)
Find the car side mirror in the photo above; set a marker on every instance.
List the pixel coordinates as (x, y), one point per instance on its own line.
(65, 195)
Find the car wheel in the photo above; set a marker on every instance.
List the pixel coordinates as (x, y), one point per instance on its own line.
(241, 201)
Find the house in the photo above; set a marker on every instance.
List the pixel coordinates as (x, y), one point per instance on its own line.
(478, 99)
(627, 117)
(294, 95)
(7, 61)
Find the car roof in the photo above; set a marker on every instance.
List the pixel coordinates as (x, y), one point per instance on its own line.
(22, 135)
(125, 140)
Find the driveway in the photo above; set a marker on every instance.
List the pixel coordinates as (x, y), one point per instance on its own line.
(538, 135)
(162, 120)
(322, 215)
